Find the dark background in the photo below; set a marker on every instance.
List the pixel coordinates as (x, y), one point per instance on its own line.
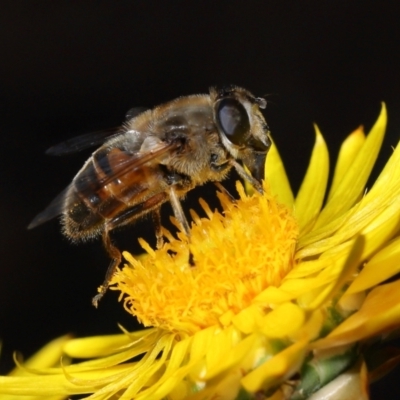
(71, 67)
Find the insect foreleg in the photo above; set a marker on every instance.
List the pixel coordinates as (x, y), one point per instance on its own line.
(246, 176)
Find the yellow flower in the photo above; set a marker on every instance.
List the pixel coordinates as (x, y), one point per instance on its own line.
(286, 299)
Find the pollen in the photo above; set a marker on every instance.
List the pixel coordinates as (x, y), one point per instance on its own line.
(236, 253)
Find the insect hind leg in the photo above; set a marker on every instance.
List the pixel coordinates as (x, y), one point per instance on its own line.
(116, 258)
(131, 214)
(156, 216)
(150, 205)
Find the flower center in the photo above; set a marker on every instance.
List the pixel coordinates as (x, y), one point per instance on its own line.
(237, 254)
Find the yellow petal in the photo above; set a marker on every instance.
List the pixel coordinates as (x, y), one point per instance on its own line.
(382, 266)
(200, 343)
(226, 388)
(309, 200)
(98, 346)
(352, 185)
(379, 313)
(48, 356)
(277, 179)
(381, 229)
(246, 355)
(277, 369)
(376, 216)
(273, 295)
(248, 319)
(282, 322)
(221, 345)
(172, 377)
(347, 154)
(39, 386)
(312, 326)
(344, 272)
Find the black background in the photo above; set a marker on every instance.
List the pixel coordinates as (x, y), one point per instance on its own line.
(67, 68)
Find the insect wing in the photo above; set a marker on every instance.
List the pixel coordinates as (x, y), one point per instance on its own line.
(54, 209)
(121, 167)
(82, 142)
(91, 139)
(123, 163)
(134, 112)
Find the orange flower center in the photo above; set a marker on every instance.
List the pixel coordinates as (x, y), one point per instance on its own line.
(237, 254)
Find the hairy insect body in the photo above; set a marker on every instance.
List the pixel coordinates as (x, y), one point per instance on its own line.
(158, 156)
(90, 203)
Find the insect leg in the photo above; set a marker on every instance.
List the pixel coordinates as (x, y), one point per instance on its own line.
(178, 211)
(246, 176)
(132, 214)
(116, 258)
(129, 215)
(157, 225)
(180, 216)
(223, 190)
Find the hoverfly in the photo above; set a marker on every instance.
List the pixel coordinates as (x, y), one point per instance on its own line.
(158, 156)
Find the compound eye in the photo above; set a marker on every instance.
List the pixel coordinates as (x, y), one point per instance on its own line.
(233, 120)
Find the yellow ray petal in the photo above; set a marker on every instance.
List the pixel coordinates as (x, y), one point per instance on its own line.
(98, 346)
(226, 388)
(200, 344)
(276, 369)
(309, 200)
(344, 271)
(49, 356)
(352, 185)
(382, 266)
(221, 345)
(347, 154)
(277, 179)
(283, 321)
(379, 313)
(58, 385)
(246, 354)
(46, 357)
(376, 216)
(171, 377)
(381, 230)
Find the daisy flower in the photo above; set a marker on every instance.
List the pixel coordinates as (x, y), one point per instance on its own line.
(290, 297)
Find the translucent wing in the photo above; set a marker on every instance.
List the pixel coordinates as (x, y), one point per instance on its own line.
(89, 183)
(134, 112)
(54, 209)
(82, 142)
(91, 139)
